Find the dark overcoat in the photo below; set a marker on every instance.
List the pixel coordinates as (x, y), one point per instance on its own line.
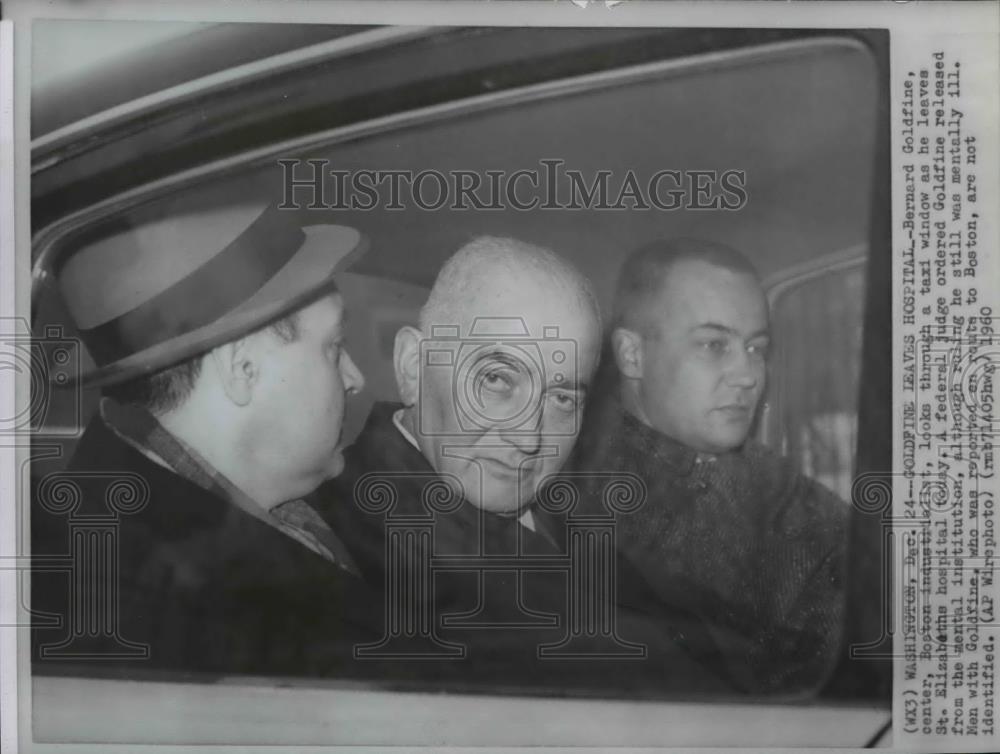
(742, 539)
(164, 575)
(388, 484)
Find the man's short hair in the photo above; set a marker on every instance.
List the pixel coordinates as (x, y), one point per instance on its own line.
(646, 271)
(467, 272)
(166, 390)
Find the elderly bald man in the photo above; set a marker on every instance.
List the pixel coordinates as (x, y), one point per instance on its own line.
(485, 407)
(492, 385)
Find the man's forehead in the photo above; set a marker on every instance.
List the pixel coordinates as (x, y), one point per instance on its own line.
(702, 291)
(326, 313)
(503, 334)
(508, 326)
(702, 273)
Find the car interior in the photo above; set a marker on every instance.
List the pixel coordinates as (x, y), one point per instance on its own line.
(802, 114)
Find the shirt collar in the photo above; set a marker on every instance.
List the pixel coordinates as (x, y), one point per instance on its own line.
(397, 419)
(526, 519)
(142, 431)
(295, 518)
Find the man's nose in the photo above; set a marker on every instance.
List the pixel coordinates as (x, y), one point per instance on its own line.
(527, 436)
(354, 380)
(744, 371)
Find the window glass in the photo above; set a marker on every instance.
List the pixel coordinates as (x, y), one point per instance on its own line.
(812, 413)
(795, 122)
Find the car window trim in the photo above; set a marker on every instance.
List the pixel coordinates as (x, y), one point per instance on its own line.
(46, 238)
(230, 77)
(777, 285)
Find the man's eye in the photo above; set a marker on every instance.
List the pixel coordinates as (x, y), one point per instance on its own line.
(565, 401)
(496, 380)
(715, 346)
(759, 350)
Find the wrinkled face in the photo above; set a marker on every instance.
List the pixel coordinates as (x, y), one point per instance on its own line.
(704, 360)
(299, 399)
(500, 405)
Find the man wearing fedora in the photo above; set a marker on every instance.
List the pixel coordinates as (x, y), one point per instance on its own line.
(218, 344)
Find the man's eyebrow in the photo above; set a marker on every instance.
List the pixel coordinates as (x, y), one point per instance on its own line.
(564, 384)
(512, 360)
(727, 330)
(501, 355)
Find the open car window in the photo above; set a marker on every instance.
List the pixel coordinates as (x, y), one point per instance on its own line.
(795, 117)
(791, 118)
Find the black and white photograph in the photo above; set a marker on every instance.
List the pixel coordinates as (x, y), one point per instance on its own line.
(446, 380)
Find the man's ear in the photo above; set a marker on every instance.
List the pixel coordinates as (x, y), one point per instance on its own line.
(626, 345)
(406, 362)
(237, 369)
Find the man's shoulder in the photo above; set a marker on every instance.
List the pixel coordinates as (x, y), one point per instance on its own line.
(101, 449)
(198, 579)
(383, 476)
(612, 440)
(781, 486)
(379, 463)
(380, 446)
(165, 522)
(779, 470)
(107, 471)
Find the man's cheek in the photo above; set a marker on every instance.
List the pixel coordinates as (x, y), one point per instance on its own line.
(563, 449)
(442, 411)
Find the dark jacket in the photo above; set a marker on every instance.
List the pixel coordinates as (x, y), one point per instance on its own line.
(742, 539)
(390, 482)
(201, 585)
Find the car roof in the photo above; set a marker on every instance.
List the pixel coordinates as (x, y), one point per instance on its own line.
(793, 109)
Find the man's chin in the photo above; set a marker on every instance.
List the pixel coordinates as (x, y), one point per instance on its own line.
(506, 502)
(497, 507)
(726, 442)
(336, 465)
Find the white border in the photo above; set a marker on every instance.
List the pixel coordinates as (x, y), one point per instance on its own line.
(8, 511)
(903, 19)
(930, 15)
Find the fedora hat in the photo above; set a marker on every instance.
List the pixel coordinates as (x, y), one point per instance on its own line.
(160, 291)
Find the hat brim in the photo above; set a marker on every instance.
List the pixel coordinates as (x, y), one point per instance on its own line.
(308, 275)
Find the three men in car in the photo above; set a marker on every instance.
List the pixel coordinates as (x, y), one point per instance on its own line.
(225, 375)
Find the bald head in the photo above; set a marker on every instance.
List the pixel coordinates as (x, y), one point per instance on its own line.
(469, 284)
(494, 381)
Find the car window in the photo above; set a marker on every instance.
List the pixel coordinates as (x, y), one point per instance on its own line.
(793, 120)
(812, 408)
